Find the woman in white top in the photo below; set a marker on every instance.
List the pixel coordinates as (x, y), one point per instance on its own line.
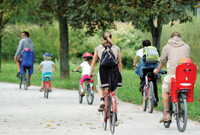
(87, 57)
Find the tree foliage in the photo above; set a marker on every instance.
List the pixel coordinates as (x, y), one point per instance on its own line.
(11, 11)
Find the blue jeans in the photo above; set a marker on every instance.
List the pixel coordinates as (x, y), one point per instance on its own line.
(142, 65)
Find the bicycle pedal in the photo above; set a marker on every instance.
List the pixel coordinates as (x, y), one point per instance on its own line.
(168, 121)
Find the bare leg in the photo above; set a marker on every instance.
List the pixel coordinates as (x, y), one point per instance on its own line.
(42, 84)
(81, 85)
(101, 93)
(29, 78)
(18, 66)
(165, 97)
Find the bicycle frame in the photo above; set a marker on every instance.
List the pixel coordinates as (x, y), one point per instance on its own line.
(108, 95)
(86, 83)
(47, 83)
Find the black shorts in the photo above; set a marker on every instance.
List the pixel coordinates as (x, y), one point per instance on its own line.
(19, 57)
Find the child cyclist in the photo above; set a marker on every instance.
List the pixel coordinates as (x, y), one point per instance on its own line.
(87, 57)
(47, 69)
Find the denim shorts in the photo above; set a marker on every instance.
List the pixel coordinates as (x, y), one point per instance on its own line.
(48, 73)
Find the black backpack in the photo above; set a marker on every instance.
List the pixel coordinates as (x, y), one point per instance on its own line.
(108, 58)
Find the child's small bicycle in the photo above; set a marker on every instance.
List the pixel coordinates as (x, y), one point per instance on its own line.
(109, 111)
(46, 86)
(89, 90)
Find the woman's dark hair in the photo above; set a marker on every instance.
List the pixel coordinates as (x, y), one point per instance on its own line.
(146, 43)
(26, 33)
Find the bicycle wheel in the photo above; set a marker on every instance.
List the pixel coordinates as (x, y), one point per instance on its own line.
(26, 79)
(47, 93)
(80, 97)
(104, 119)
(151, 97)
(111, 116)
(90, 95)
(144, 99)
(181, 118)
(20, 81)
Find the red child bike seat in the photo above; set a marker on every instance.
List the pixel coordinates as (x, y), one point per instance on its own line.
(185, 77)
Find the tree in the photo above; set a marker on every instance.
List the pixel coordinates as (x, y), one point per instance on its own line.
(78, 14)
(151, 15)
(10, 12)
(145, 15)
(47, 11)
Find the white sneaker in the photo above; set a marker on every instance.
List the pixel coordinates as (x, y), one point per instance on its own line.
(101, 107)
(116, 123)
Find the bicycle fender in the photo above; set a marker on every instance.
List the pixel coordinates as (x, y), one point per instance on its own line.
(183, 95)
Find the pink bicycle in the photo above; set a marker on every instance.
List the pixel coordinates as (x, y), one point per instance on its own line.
(109, 111)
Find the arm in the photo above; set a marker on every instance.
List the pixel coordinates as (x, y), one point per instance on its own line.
(135, 61)
(54, 67)
(93, 63)
(19, 48)
(120, 61)
(39, 68)
(77, 68)
(158, 70)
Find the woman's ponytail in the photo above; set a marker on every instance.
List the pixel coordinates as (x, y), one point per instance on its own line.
(107, 37)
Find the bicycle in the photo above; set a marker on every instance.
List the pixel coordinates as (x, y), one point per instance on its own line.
(25, 78)
(88, 88)
(182, 90)
(26, 66)
(46, 86)
(148, 93)
(109, 111)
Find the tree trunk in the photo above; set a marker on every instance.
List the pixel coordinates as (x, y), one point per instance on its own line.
(1, 19)
(64, 44)
(156, 38)
(156, 35)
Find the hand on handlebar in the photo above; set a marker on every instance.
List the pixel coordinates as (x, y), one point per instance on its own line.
(135, 65)
(155, 71)
(91, 76)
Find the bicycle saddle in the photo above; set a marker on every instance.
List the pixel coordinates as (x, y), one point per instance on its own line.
(87, 79)
(47, 76)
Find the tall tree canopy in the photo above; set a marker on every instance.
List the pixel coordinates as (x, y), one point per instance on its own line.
(151, 15)
(144, 15)
(10, 12)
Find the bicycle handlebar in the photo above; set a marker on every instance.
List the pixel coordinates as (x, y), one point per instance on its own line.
(77, 71)
(81, 72)
(163, 72)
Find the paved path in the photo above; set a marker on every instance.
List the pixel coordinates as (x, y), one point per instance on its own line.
(26, 112)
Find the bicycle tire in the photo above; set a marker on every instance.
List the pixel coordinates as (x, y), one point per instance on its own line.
(47, 93)
(80, 97)
(144, 99)
(90, 95)
(20, 81)
(26, 79)
(104, 119)
(151, 97)
(111, 117)
(181, 113)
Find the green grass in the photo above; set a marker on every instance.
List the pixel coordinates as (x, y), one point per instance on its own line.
(128, 92)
